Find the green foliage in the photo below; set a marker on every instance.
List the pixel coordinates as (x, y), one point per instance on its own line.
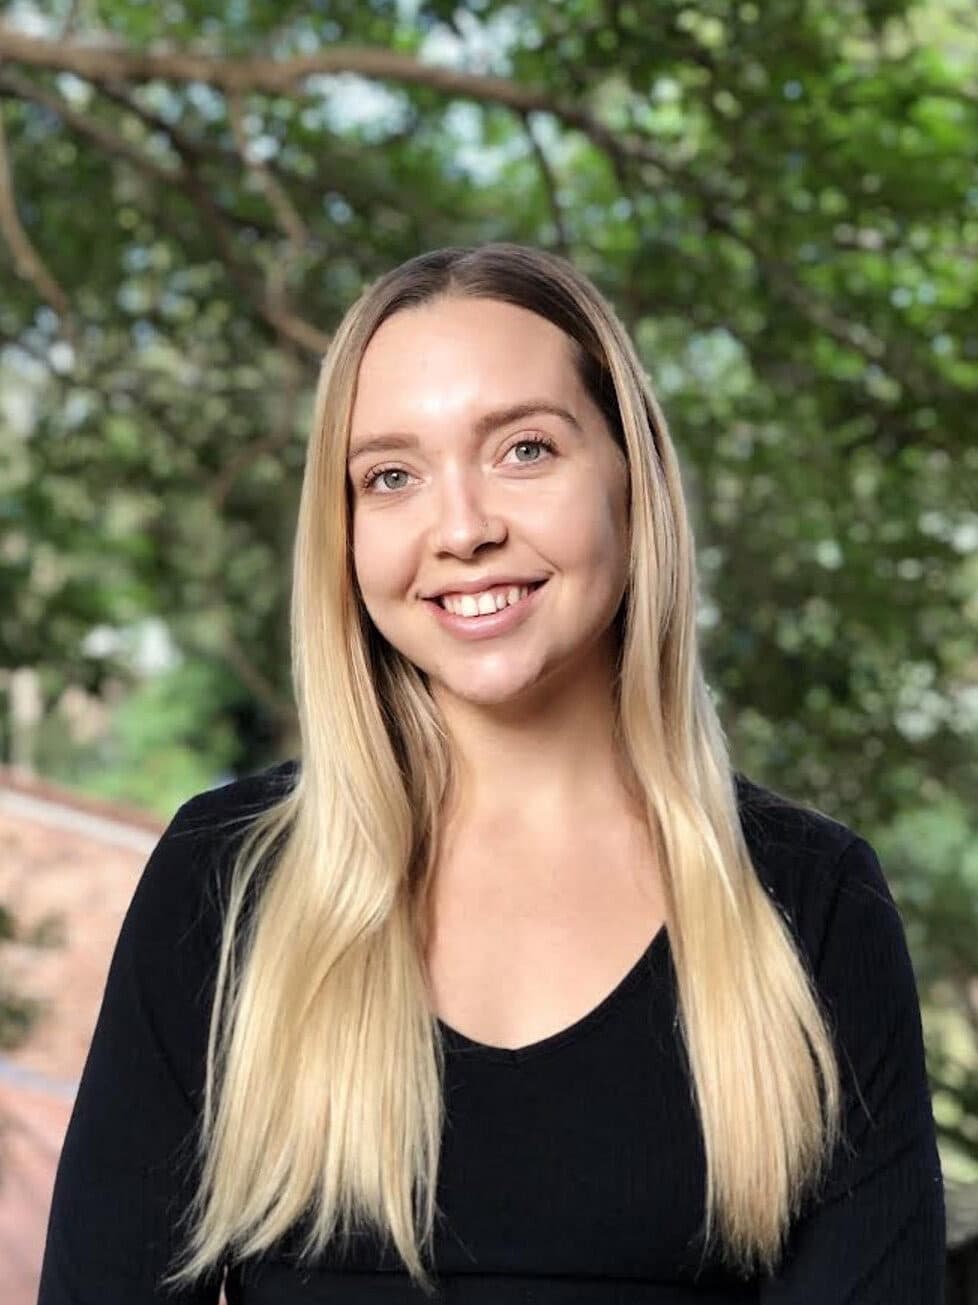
(48, 931)
(18, 1015)
(169, 737)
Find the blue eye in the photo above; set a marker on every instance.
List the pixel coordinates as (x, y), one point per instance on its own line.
(544, 444)
(381, 471)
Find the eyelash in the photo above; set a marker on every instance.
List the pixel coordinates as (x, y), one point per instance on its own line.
(372, 476)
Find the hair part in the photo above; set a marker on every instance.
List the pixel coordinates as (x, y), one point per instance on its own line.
(325, 1069)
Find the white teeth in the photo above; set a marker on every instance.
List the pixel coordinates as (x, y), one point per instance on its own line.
(485, 603)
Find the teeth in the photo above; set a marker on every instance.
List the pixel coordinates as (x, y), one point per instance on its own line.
(485, 603)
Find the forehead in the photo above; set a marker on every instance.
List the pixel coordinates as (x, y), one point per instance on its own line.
(451, 354)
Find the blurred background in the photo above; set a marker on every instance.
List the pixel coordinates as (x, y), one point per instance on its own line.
(781, 199)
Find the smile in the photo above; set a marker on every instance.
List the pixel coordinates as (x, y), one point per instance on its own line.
(486, 625)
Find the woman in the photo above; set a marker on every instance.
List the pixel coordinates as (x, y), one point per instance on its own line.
(519, 992)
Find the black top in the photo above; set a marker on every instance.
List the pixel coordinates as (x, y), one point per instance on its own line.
(572, 1169)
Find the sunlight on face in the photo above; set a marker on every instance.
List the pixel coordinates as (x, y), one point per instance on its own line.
(487, 460)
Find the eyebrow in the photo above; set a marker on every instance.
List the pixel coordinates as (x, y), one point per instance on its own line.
(484, 426)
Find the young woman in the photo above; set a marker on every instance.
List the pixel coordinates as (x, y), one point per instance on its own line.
(508, 988)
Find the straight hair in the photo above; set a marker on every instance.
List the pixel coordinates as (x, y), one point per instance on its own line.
(325, 1071)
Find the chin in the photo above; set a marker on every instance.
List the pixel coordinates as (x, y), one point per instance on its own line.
(487, 690)
(487, 696)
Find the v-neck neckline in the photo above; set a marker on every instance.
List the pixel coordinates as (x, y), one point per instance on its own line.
(459, 1043)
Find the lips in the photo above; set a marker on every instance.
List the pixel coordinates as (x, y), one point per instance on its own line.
(459, 593)
(487, 625)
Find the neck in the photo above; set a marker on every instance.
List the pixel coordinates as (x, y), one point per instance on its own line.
(537, 770)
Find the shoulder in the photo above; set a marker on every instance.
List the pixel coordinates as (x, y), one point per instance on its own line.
(157, 1003)
(825, 877)
(208, 825)
(215, 811)
(176, 908)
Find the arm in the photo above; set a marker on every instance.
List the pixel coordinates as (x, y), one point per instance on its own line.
(876, 1233)
(124, 1175)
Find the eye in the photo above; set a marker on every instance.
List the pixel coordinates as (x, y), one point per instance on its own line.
(372, 476)
(541, 440)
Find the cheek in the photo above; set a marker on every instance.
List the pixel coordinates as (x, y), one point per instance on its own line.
(592, 511)
(594, 534)
(380, 560)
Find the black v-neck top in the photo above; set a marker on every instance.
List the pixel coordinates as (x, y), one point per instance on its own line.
(572, 1170)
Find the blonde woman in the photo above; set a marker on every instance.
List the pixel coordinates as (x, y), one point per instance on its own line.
(509, 988)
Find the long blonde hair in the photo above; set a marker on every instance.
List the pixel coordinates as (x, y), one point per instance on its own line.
(325, 1070)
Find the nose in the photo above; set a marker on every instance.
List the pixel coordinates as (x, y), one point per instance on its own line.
(464, 518)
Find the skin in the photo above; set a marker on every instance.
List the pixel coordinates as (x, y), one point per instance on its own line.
(530, 712)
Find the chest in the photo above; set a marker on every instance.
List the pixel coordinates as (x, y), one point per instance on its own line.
(524, 947)
(572, 1170)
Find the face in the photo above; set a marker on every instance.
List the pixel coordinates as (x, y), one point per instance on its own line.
(466, 491)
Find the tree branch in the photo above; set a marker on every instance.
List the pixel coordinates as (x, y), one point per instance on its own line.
(184, 145)
(289, 218)
(277, 315)
(19, 87)
(270, 305)
(549, 185)
(274, 76)
(22, 88)
(27, 260)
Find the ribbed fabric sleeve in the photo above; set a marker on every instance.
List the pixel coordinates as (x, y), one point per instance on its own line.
(876, 1236)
